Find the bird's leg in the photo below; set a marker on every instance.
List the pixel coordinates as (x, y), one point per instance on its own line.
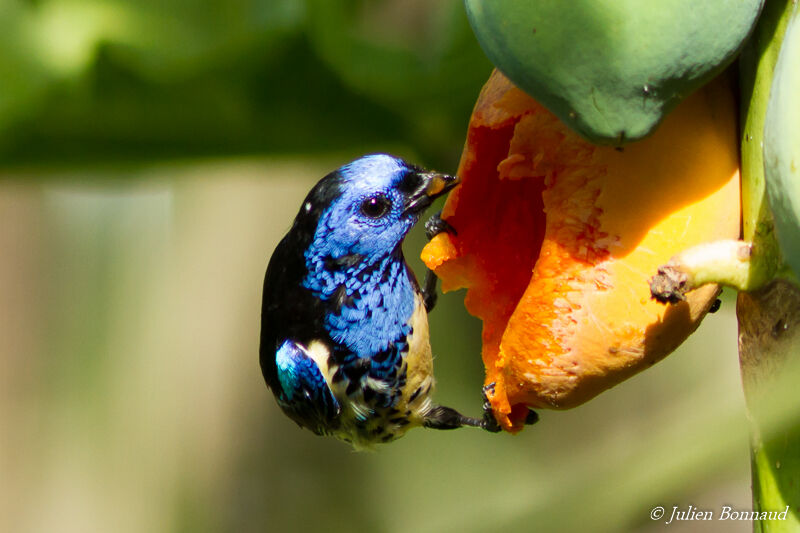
(441, 417)
(429, 294)
(433, 227)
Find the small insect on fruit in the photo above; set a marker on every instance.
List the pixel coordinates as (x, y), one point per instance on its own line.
(344, 326)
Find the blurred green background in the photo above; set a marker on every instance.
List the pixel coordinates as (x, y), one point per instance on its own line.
(152, 154)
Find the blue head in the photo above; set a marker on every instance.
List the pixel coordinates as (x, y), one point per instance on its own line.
(354, 257)
(379, 200)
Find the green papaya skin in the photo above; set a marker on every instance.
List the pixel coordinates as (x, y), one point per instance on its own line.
(782, 144)
(611, 69)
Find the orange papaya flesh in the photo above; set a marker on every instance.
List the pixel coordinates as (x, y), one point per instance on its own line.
(557, 238)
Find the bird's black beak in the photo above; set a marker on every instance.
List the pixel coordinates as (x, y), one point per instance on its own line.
(431, 185)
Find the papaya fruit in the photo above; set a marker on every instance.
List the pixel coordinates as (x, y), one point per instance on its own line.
(611, 69)
(555, 240)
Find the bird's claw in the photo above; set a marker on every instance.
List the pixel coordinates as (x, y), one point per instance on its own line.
(489, 422)
(436, 225)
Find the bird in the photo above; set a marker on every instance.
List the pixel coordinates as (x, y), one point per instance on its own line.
(344, 330)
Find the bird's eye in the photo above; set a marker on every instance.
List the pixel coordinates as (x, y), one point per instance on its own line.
(376, 206)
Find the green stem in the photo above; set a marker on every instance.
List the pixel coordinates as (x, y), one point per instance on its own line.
(756, 67)
(728, 263)
(769, 318)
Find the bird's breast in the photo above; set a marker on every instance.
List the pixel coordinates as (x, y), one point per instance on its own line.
(371, 308)
(387, 394)
(419, 362)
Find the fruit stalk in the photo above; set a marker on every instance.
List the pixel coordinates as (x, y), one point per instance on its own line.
(727, 262)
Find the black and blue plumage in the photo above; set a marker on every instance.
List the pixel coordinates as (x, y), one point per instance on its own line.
(344, 329)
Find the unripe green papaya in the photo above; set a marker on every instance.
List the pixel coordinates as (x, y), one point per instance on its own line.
(611, 69)
(782, 144)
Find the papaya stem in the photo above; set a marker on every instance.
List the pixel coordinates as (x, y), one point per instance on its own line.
(769, 328)
(729, 263)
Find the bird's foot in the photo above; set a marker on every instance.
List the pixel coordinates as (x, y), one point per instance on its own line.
(436, 225)
(441, 417)
(489, 422)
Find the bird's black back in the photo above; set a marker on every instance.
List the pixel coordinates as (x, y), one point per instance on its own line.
(289, 310)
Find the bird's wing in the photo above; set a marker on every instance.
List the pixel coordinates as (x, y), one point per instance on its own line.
(288, 310)
(306, 396)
